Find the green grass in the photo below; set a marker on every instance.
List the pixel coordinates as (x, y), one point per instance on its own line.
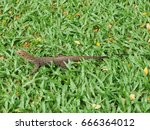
(50, 28)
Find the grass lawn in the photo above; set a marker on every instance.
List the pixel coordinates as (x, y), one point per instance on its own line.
(75, 27)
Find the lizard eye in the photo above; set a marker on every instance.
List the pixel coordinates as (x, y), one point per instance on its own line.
(19, 53)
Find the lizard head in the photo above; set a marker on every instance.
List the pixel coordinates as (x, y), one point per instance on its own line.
(24, 54)
(21, 53)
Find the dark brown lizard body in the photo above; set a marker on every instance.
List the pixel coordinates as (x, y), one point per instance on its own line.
(60, 60)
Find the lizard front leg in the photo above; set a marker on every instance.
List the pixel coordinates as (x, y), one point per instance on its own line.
(35, 69)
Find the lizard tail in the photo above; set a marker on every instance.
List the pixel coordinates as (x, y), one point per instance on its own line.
(95, 57)
(102, 57)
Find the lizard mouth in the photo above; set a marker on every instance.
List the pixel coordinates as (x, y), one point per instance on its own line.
(24, 54)
(18, 52)
(21, 53)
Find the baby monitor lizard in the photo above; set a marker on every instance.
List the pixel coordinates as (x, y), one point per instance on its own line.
(59, 60)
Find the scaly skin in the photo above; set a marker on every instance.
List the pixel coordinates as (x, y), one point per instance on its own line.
(60, 60)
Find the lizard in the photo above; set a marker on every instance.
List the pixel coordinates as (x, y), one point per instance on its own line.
(59, 60)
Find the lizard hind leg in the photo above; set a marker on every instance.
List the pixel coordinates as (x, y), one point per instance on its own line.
(61, 64)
